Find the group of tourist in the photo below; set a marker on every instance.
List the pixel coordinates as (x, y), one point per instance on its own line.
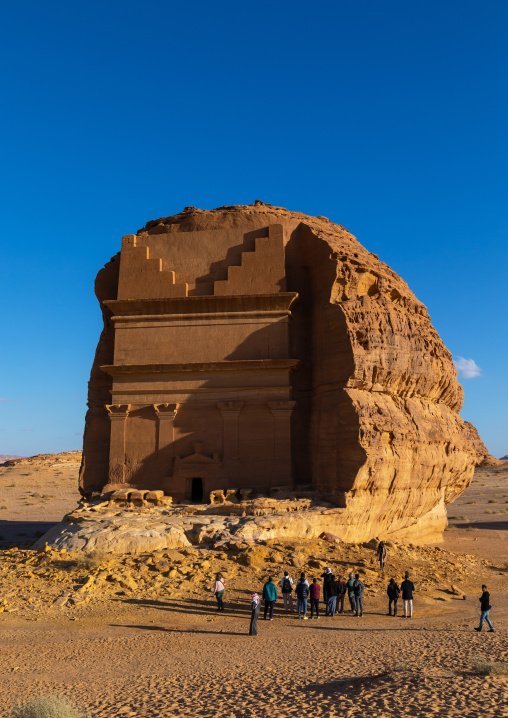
(334, 594)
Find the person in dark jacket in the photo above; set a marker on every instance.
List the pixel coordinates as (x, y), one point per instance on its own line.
(341, 594)
(393, 592)
(407, 587)
(359, 590)
(315, 593)
(381, 554)
(331, 604)
(269, 597)
(328, 578)
(255, 608)
(302, 593)
(351, 592)
(485, 608)
(287, 589)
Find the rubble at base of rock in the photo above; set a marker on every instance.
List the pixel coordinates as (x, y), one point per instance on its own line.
(45, 581)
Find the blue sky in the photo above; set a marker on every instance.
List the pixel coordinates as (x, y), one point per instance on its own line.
(388, 118)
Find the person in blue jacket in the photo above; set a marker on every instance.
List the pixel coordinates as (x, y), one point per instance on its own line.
(269, 596)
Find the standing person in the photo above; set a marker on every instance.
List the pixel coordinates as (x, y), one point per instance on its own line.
(302, 593)
(331, 603)
(286, 585)
(315, 592)
(381, 554)
(393, 592)
(327, 577)
(358, 589)
(485, 608)
(218, 591)
(351, 592)
(269, 596)
(341, 594)
(407, 588)
(255, 607)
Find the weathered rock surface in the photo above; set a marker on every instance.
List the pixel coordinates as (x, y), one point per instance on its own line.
(377, 399)
(110, 527)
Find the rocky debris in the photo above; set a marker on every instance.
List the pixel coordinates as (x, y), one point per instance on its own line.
(61, 601)
(136, 497)
(34, 582)
(330, 537)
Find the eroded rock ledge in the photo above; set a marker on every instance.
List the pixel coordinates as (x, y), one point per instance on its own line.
(140, 525)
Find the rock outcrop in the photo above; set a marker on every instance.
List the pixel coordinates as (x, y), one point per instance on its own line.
(375, 426)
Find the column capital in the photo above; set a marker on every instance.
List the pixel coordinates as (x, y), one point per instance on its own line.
(230, 406)
(166, 411)
(279, 407)
(118, 411)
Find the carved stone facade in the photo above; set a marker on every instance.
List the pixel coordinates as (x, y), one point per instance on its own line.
(200, 364)
(253, 347)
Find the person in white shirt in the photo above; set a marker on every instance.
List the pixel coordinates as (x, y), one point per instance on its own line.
(286, 584)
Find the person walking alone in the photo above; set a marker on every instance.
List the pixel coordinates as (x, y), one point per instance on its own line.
(255, 607)
(381, 554)
(269, 597)
(407, 587)
(286, 585)
(359, 590)
(218, 591)
(350, 585)
(485, 608)
(393, 592)
(302, 593)
(315, 593)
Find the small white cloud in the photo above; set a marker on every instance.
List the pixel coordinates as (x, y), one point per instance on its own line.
(3, 399)
(467, 368)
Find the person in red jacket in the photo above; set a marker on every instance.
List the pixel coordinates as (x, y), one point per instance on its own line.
(315, 593)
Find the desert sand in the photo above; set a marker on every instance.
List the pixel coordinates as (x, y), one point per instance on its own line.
(140, 636)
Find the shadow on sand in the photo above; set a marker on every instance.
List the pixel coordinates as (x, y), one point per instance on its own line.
(23, 531)
(179, 629)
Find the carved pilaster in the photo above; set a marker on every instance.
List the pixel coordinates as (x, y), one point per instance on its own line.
(230, 411)
(118, 414)
(282, 411)
(166, 414)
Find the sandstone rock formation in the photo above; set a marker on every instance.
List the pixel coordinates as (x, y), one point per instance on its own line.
(254, 347)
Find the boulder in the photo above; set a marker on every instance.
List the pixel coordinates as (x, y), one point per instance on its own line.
(376, 423)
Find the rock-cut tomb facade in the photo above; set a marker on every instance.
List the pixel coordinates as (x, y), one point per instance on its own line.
(262, 350)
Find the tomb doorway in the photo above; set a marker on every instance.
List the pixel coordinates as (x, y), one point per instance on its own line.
(197, 490)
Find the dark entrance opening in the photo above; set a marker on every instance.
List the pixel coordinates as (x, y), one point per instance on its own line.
(197, 490)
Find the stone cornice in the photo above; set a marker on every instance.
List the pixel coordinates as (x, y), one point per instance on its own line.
(216, 367)
(209, 304)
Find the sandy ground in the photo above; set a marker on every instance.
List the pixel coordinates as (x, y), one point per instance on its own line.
(162, 649)
(36, 493)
